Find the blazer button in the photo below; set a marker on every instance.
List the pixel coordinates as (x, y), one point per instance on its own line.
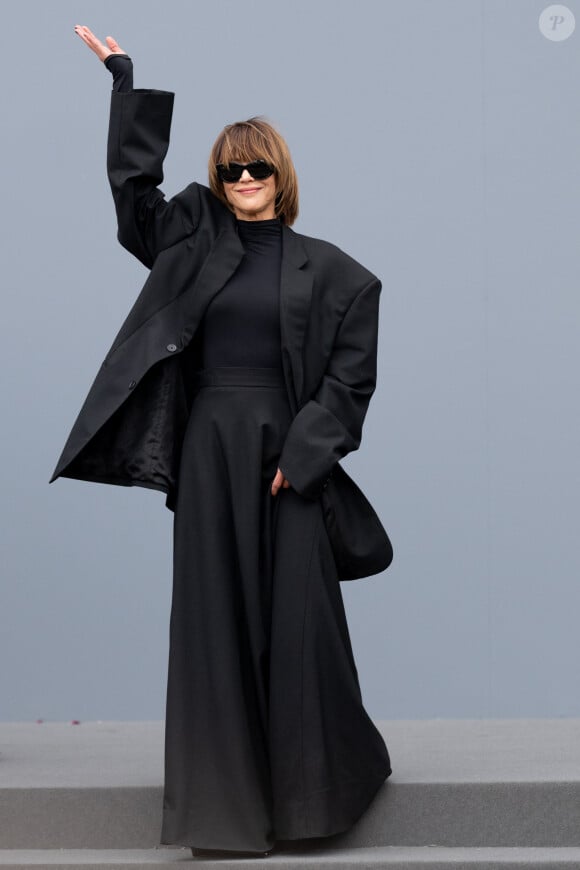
(132, 384)
(171, 347)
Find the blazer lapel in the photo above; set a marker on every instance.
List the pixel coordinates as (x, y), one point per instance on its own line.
(224, 258)
(295, 302)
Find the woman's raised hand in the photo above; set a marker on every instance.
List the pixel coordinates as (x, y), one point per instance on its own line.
(101, 50)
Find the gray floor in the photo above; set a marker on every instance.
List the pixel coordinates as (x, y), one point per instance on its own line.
(391, 857)
(422, 751)
(472, 794)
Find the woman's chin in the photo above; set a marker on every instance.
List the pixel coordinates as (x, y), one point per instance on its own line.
(252, 213)
(252, 207)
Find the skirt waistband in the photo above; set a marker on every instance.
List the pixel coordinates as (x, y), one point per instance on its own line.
(256, 376)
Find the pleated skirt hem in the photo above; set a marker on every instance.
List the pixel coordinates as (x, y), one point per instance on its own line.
(315, 817)
(330, 811)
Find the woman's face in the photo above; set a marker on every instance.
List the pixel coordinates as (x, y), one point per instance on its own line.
(252, 200)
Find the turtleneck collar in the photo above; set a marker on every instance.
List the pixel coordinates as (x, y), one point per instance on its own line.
(253, 226)
(261, 238)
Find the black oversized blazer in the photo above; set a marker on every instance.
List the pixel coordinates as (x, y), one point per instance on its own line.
(130, 428)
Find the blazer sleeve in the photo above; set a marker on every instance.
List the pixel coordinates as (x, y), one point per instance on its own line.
(138, 139)
(330, 424)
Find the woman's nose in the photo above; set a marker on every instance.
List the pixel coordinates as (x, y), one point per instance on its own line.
(245, 176)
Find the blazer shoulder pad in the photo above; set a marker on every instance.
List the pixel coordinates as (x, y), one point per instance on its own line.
(200, 206)
(332, 262)
(211, 205)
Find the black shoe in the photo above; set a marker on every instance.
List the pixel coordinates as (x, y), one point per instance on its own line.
(228, 853)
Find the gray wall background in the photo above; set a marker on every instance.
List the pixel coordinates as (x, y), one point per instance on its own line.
(436, 142)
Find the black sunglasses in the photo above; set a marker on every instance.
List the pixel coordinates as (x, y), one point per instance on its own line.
(231, 172)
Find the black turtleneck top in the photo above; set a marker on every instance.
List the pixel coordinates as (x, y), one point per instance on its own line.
(241, 325)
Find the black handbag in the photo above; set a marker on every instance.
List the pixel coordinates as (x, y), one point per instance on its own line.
(359, 541)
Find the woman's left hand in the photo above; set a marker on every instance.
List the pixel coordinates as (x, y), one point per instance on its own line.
(279, 481)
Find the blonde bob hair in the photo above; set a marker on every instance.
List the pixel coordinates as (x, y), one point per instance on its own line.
(257, 139)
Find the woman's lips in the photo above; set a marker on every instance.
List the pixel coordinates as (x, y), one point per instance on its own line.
(249, 190)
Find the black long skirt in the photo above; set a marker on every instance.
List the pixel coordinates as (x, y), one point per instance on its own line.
(266, 736)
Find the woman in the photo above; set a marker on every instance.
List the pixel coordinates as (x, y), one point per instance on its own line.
(262, 389)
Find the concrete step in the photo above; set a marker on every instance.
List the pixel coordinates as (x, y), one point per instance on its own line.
(455, 783)
(390, 857)
(501, 814)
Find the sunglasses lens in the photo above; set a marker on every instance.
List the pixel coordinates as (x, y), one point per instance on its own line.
(260, 169)
(232, 172)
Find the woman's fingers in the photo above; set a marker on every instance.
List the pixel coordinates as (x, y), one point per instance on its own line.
(279, 481)
(114, 45)
(89, 38)
(100, 49)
